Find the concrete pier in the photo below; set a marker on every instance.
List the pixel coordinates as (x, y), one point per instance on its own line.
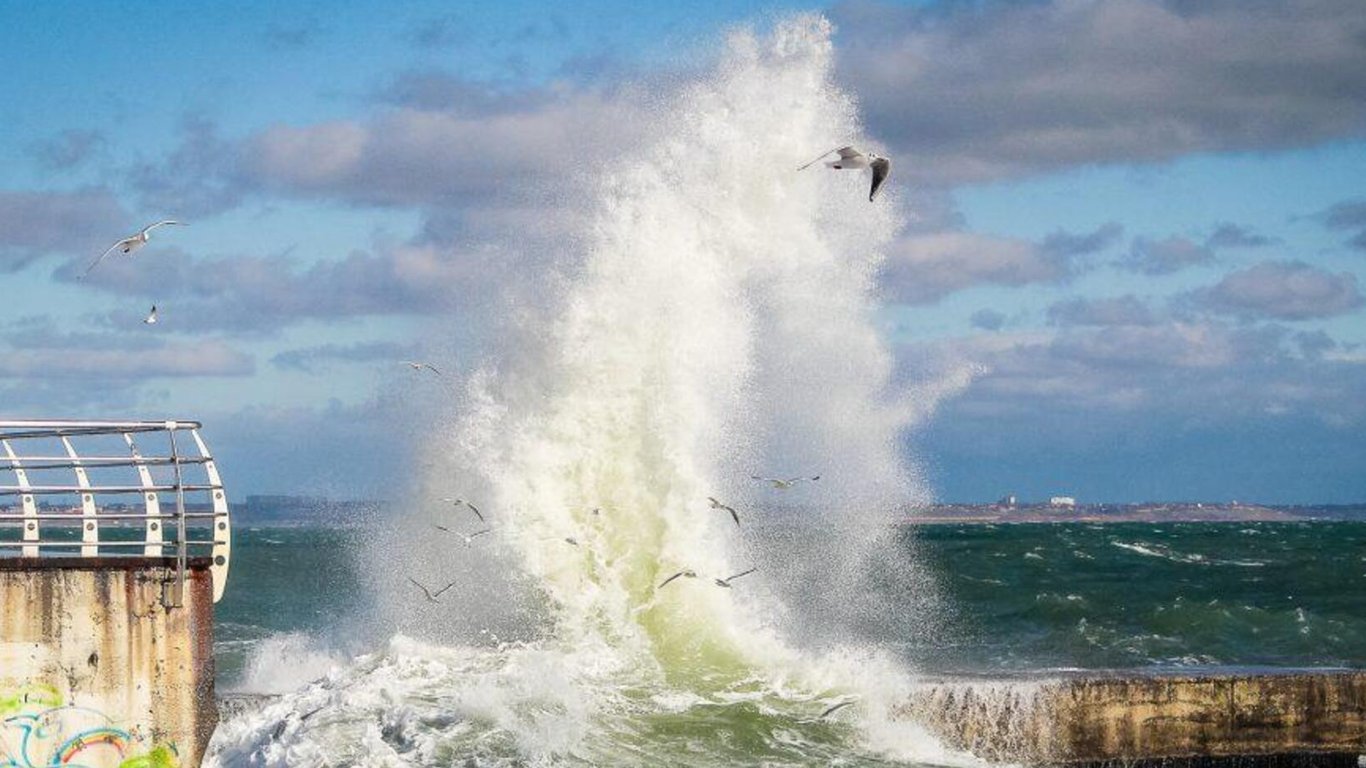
(1254, 718)
(97, 670)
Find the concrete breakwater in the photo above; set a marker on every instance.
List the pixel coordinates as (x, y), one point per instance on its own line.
(95, 667)
(1266, 717)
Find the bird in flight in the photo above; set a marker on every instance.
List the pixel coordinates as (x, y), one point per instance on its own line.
(852, 158)
(686, 573)
(418, 365)
(151, 318)
(783, 484)
(726, 582)
(571, 541)
(431, 596)
(131, 244)
(718, 505)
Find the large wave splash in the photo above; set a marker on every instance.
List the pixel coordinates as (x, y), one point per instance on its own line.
(717, 321)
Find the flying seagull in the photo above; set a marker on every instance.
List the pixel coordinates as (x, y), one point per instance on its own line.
(687, 573)
(726, 582)
(130, 244)
(851, 158)
(417, 365)
(718, 505)
(783, 484)
(570, 540)
(431, 596)
(151, 318)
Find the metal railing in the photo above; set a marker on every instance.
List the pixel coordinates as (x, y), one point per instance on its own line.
(58, 501)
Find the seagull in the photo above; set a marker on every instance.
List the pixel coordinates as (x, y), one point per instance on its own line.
(853, 158)
(570, 540)
(151, 318)
(687, 573)
(784, 484)
(835, 708)
(431, 596)
(130, 244)
(718, 505)
(726, 582)
(417, 365)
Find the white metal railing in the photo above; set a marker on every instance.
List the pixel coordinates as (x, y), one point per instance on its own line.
(97, 489)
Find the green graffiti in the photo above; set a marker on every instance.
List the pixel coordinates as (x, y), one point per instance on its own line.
(39, 727)
(30, 696)
(159, 757)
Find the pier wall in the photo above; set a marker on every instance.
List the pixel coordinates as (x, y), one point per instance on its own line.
(97, 670)
(1264, 717)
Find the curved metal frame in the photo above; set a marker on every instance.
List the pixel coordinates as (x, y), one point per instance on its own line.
(154, 541)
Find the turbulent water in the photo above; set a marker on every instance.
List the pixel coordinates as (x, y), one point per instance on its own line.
(715, 319)
(1024, 597)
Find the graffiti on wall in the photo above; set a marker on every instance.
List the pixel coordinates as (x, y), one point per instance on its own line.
(40, 728)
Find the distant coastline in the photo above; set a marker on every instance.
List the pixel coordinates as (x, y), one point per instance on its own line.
(1178, 512)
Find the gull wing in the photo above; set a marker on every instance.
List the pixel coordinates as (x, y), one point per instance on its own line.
(848, 153)
(151, 227)
(671, 578)
(823, 154)
(738, 575)
(882, 168)
(443, 589)
(417, 584)
(97, 261)
(476, 511)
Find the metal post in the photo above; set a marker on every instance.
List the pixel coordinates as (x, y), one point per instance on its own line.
(178, 593)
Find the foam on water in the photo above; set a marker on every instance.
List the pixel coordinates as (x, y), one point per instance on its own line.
(718, 321)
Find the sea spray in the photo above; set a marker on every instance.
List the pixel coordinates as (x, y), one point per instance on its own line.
(717, 322)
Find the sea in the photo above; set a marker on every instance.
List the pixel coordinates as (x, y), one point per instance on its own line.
(1021, 599)
(708, 316)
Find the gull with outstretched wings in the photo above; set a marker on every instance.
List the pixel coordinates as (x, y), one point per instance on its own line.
(131, 244)
(850, 158)
(784, 483)
(418, 365)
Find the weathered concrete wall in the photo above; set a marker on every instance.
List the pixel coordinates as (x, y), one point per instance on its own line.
(94, 670)
(1150, 717)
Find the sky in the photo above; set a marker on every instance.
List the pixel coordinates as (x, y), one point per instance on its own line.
(1140, 225)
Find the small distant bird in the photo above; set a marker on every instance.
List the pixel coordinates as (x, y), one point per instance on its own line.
(417, 365)
(835, 708)
(851, 158)
(431, 596)
(687, 573)
(131, 244)
(151, 318)
(726, 582)
(783, 484)
(718, 505)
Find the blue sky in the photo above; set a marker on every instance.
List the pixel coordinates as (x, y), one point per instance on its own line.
(1142, 223)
